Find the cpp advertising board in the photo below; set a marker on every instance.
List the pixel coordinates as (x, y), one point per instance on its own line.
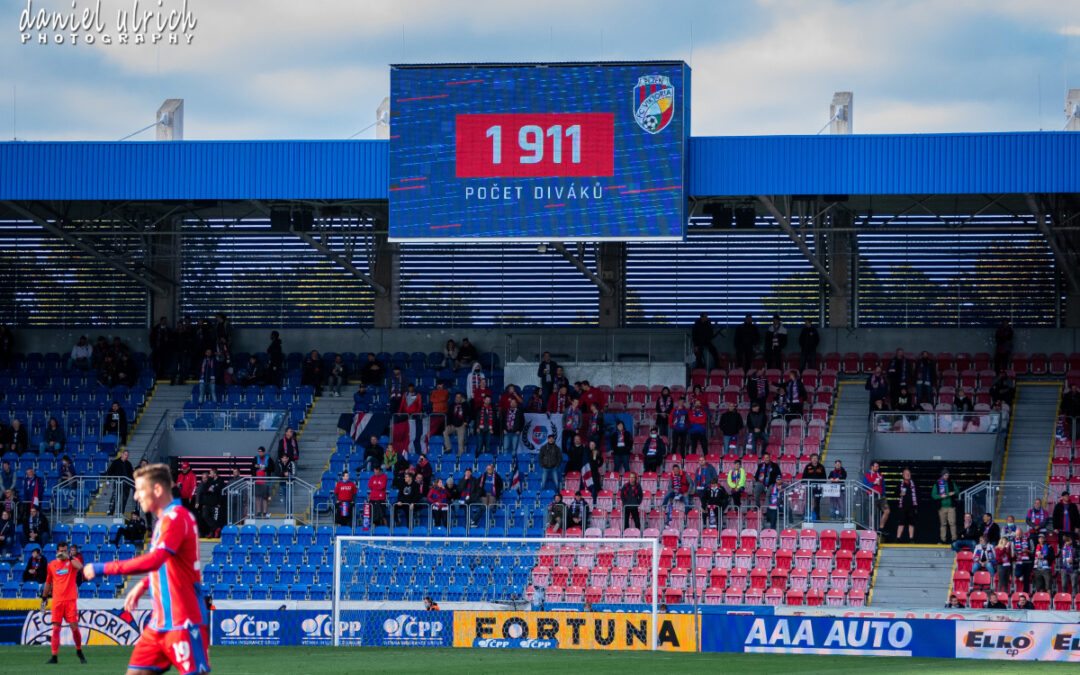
(368, 628)
(539, 152)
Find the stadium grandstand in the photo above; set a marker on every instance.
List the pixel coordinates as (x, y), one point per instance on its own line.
(859, 342)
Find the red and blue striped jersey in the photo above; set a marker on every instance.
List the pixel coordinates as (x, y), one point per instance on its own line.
(173, 564)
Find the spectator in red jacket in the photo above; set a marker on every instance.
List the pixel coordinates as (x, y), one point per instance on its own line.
(345, 493)
(186, 482)
(411, 401)
(377, 496)
(680, 485)
(559, 401)
(590, 395)
(511, 394)
(439, 499)
(699, 419)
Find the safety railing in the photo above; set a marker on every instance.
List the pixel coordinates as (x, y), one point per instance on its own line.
(226, 420)
(81, 496)
(603, 347)
(257, 497)
(1002, 498)
(842, 501)
(937, 422)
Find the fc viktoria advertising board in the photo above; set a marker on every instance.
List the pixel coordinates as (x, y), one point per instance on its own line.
(539, 152)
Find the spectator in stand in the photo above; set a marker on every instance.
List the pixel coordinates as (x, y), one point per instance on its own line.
(631, 497)
(373, 454)
(713, 503)
(450, 356)
(126, 373)
(1004, 558)
(1066, 516)
(511, 426)
(276, 355)
(795, 394)
(679, 424)
(575, 512)
(594, 424)
(262, 467)
(546, 372)
(412, 404)
(371, 373)
(209, 501)
(839, 476)
(339, 375)
(162, 344)
(558, 402)
(680, 486)
(556, 513)
(467, 354)
(1067, 565)
(208, 378)
(1003, 388)
(664, 405)
(473, 383)
(993, 601)
(757, 425)
(1003, 345)
(10, 504)
(401, 466)
(900, 372)
(620, 443)
(133, 530)
(757, 387)
(7, 346)
(31, 492)
(809, 339)
(440, 399)
(878, 387)
(35, 527)
(591, 395)
(701, 335)
(377, 496)
(731, 424)
(1038, 520)
(775, 343)
(970, 532)
(52, 440)
(698, 424)
(653, 450)
(989, 528)
(954, 603)
(874, 480)
(486, 425)
(736, 483)
(773, 505)
(925, 378)
(766, 474)
(314, 371)
(815, 471)
(81, 354)
(963, 402)
(1010, 529)
(8, 477)
(1070, 408)
(7, 534)
(35, 570)
(289, 446)
(593, 474)
(983, 557)
(470, 492)
(1022, 560)
(575, 455)
(572, 423)
(481, 390)
(704, 476)
(439, 502)
(550, 457)
(1044, 562)
(407, 500)
(121, 469)
(908, 503)
(945, 494)
(746, 339)
(561, 379)
(186, 482)
(510, 394)
(423, 473)
(17, 439)
(256, 373)
(457, 422)
(535, 404)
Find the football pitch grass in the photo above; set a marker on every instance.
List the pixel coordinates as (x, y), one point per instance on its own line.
(255, 660)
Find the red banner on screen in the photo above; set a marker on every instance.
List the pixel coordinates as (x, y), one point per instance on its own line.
(535, 145)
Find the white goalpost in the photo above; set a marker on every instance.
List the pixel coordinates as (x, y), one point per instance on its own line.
(495, 574)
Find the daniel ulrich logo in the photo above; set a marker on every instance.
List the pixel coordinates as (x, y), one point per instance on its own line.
(107, 22)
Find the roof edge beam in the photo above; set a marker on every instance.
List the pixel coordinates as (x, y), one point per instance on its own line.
(340, 260)
(604, 287)
(1038, 211)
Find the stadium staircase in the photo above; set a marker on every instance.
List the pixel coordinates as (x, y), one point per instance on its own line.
(1031, 442)
(318, 437)
(911, 575)
(846, 439)
(163, 399)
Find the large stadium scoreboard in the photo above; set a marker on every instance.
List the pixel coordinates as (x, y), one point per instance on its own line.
(539, 152)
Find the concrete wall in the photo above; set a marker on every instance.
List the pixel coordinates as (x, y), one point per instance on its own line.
(934, 447)
(241, 444)
(591, 343)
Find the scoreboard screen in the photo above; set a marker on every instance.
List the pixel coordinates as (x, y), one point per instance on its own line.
(539, 152)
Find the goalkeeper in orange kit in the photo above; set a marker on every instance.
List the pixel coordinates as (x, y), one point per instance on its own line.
(62, 586)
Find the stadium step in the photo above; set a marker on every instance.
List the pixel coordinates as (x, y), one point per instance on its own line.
(912, 576)
(1031, 441)
(847, 434)
(318, 438)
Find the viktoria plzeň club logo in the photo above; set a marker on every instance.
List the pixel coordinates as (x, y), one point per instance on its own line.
(107, 22)
(654, 102)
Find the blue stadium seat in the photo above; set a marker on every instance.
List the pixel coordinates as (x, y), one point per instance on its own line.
(306, 575)
(267, 534)
(211, 574)
(230, 573)
(248, 533)
(257, 555)
(249, 574)
(279, 592)
(324, 535)
(277, 556)
(260, 592)
(220, 554)
(98, 534)
(320, 592)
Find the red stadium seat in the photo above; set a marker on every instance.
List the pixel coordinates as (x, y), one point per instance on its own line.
(815, 597)
(794, 597)
(977, 600)
(1063, 602)
(1041, 600)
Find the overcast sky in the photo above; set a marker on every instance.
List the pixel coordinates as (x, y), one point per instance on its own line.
(318, 68)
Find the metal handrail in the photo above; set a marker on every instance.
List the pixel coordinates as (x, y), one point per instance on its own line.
(925, 422)
(73, 497)
(984, 497)
(297, 498)
(855, 503)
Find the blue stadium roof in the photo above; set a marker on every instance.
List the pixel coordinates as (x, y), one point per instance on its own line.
(999, 163)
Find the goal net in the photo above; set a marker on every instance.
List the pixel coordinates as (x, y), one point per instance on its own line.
(509, 592)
